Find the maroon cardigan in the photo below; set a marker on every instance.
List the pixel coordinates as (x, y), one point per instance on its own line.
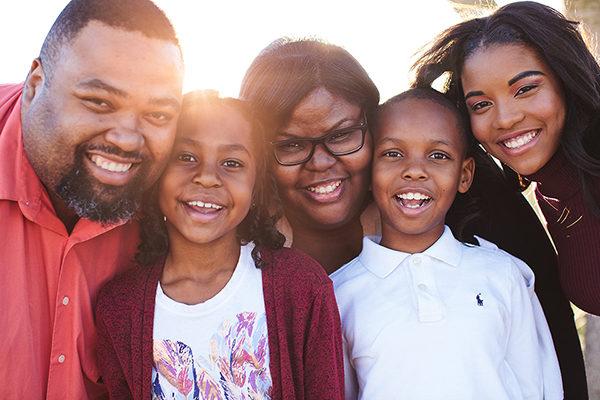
(574, 228)
(302, 320)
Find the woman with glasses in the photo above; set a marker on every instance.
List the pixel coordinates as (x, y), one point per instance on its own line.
(315, 101)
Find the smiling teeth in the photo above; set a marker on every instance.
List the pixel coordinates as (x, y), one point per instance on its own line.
(325, 189)
(413, 196)
(110, 166)
(520, 140)
(421, 199)
(204, 205)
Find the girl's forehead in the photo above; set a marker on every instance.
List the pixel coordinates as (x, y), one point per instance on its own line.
(215, 124)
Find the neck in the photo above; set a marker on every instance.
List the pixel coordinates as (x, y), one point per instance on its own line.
(331, 248)
(193, 272)
(67, 216)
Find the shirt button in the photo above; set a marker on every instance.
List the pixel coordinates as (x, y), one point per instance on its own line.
(61, 358)
(417, 261)
(422, 286)
(65, 301)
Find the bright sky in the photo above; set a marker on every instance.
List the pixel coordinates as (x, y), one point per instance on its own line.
(221, 38)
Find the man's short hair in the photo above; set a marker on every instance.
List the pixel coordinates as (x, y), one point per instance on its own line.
(131, 15)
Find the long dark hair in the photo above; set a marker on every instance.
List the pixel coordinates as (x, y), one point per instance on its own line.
(259, 224)
(560, 42)
(287, 70)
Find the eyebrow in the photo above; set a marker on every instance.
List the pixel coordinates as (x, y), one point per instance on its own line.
(474, 93)
(98, 84)
(512, 81)
(225, 147)
(166, 101)
(101, 85)
(524, 74)
(333, 128)
(400, 141)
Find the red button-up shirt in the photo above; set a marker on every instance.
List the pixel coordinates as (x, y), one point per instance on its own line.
(49, 279)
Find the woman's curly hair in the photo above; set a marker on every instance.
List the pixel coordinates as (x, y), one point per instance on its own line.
(259, 224)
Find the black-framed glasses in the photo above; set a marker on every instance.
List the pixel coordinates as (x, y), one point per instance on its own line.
(338, 143)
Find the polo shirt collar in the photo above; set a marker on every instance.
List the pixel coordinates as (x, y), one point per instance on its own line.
(382, 261)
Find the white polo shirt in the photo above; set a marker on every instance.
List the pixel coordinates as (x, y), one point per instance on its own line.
(454, 322)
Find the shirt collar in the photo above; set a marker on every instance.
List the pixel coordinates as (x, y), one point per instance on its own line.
(381, 261)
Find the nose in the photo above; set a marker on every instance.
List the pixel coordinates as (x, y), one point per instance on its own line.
(206, 176)
(507, 115)
(414, 170)
(321, 159)
(126, 134)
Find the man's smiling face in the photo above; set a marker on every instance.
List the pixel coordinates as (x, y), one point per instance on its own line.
(99, 130)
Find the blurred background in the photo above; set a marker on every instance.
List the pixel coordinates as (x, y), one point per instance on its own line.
(221, 38)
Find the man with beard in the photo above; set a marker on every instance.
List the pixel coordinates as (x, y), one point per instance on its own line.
(89, 130)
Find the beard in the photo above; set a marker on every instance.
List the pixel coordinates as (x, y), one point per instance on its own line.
(96, 201)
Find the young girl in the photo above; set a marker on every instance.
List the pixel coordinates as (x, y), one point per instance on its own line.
(425, 316)
(217, 309)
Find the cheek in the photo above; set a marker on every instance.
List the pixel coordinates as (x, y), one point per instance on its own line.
(166, 190)
(160, 143)
(359, 165)
(285, 176)
(480, 127)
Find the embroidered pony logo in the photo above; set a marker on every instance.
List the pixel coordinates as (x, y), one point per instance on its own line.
(479, 300)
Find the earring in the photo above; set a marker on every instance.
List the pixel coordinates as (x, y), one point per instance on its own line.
(165, 218)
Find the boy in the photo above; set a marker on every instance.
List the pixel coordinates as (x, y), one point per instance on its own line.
(424, 315)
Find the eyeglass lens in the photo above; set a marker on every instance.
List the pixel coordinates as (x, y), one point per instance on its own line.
(339, 143)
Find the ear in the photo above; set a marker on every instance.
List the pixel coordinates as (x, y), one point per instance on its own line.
(466, 175)
(33, 84)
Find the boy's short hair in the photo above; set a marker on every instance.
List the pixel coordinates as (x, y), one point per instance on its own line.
(462, 124)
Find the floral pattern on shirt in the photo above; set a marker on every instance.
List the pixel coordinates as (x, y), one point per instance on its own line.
(237, 367)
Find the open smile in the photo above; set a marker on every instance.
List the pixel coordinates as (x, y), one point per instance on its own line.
(204, 207)
(110, 165)
(111, 170)
(521, 140)
(413, 200)
(325, 192)
(325, 189)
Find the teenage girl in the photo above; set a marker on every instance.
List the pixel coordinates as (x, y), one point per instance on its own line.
(217, 309)
(531, 88)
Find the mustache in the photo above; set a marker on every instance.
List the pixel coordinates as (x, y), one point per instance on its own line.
(113, 150)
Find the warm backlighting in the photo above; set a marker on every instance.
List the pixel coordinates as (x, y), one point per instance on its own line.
(220, 39)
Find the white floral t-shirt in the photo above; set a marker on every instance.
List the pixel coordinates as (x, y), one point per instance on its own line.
(217, 349)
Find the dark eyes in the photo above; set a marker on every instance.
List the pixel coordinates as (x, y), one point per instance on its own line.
(439, 156)
(188, 158)
(483, 104)
(525, 89)
(96, 103)
(232, 164)
(392, 154)
(478, 106)
(160, 117)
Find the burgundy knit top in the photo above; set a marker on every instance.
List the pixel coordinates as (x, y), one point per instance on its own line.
(574, 228)
(305, 340)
